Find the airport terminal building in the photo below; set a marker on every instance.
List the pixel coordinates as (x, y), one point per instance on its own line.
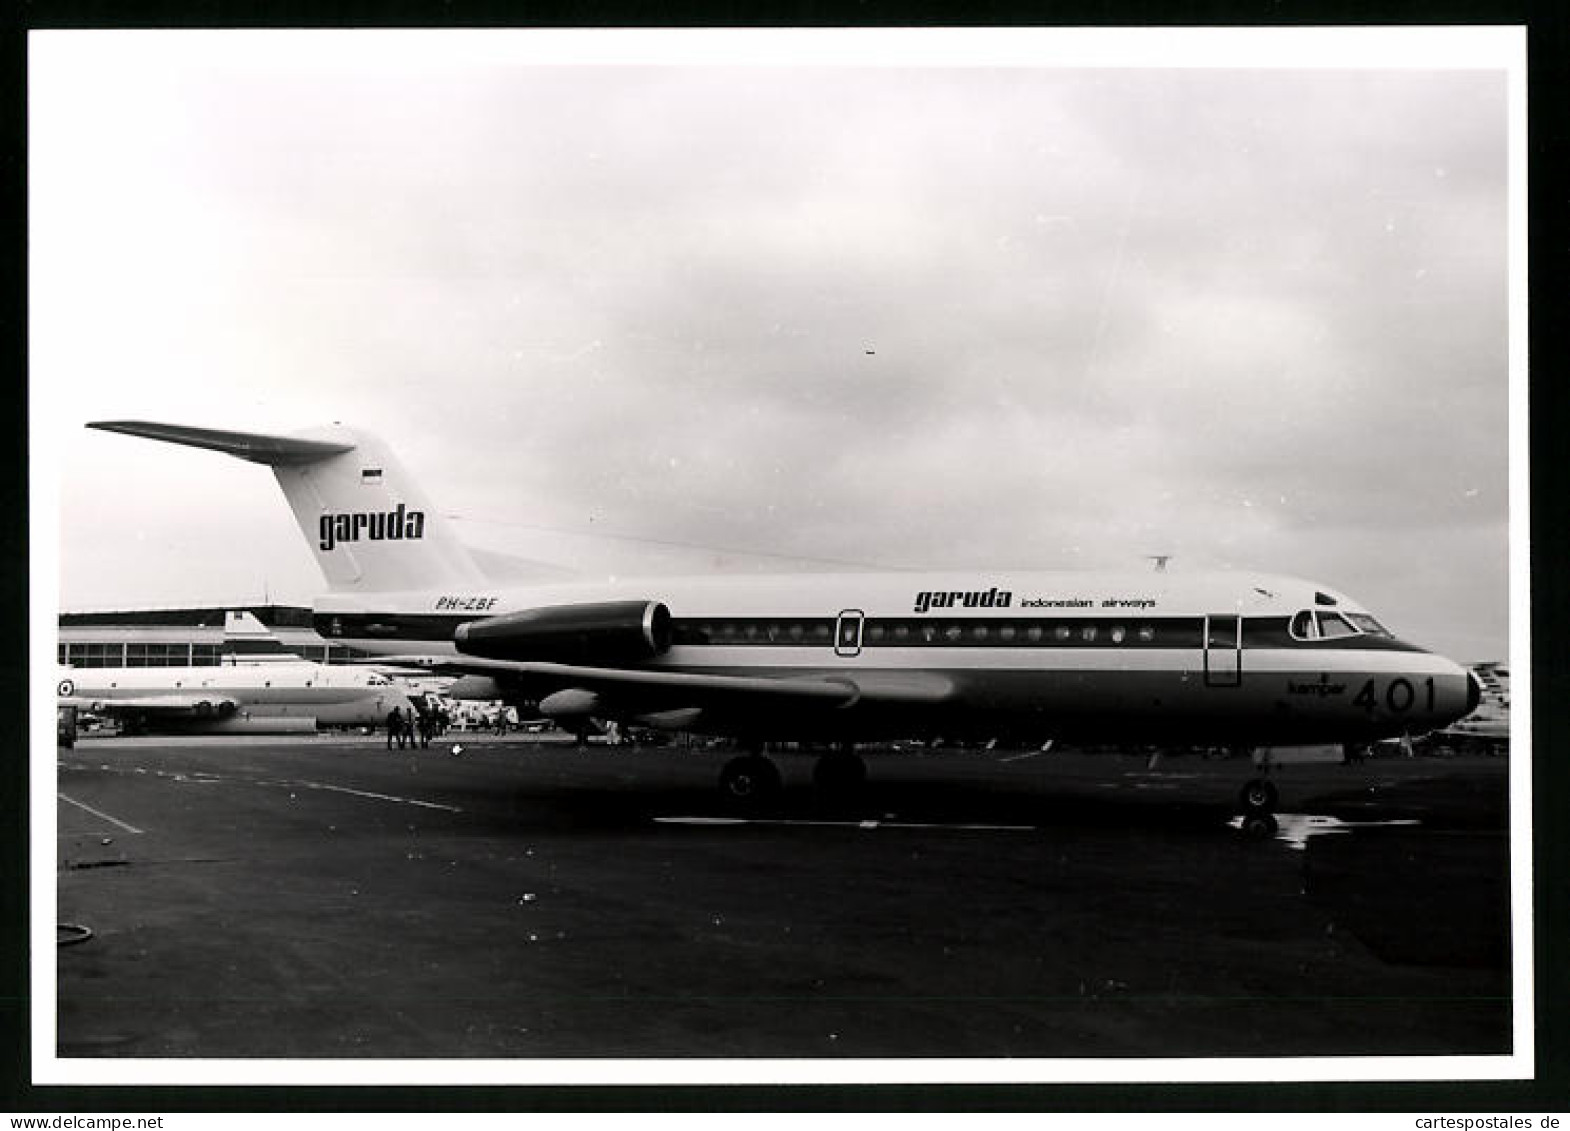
(181, 637)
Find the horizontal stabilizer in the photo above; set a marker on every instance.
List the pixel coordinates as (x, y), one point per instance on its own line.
(248, 640)
(253, 446)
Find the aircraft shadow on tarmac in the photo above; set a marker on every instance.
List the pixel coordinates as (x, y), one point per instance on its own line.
(937, 804)
(1410, 836)
(900, 791)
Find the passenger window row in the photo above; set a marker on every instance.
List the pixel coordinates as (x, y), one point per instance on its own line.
(1004, 633)
(912, 633)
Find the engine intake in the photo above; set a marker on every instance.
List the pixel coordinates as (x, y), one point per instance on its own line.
(611, 632)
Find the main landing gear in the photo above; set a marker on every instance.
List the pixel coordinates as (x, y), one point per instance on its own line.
(840, 773)
(752, 779)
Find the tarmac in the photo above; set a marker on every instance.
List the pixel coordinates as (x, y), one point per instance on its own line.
(510, 898)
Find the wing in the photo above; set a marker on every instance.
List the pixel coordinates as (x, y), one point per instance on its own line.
(166, 706)
(688, 699)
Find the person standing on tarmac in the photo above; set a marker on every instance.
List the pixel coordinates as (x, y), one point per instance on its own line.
(394, 728)
(408, 734)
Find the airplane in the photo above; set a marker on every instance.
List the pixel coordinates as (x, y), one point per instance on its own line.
(1486, 730)
(247, 640)
(278, 694)
(1244, 660)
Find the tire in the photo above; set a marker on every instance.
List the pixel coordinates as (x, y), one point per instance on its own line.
(1260, 826)
(839, 774)
(750, 780)
(1258, 796)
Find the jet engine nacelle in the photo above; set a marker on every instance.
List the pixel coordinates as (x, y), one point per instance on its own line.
(611, 632)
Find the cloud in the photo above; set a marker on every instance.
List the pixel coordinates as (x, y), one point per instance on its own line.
(926, 317)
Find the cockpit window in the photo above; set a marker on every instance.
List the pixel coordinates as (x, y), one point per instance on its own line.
(1311, 625)
(1332, 625)
(1368, 624)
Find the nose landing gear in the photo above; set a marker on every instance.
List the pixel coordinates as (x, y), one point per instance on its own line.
(1258, 799)
(1258, 796)
(1259, 824)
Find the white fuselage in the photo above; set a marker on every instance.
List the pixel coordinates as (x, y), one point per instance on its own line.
(274, 697)
(1146, 656)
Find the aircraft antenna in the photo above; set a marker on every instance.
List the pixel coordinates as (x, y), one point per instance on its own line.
(1160, 561)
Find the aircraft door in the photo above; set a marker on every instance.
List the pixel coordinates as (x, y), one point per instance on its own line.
(847, 633)
(1223, 651)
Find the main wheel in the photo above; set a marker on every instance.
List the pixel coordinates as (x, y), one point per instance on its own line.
(1258, 796)
(839, 773)
(749, 780)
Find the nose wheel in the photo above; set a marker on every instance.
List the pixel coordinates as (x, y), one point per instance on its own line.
(1259, 825)
(1258, 796)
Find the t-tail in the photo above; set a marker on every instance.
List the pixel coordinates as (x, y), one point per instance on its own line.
(370, 526)
(249, 641)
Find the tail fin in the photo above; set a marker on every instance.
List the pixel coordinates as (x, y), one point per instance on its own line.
(369, 525)
(249, 641)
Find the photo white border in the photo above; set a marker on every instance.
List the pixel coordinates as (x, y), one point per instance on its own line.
(1384, 48)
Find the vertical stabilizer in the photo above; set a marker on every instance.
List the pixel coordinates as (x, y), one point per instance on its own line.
(368, 523)
(249, 641)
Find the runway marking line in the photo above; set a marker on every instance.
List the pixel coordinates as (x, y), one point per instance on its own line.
(376, 796)
(101, 815)
(724, 821)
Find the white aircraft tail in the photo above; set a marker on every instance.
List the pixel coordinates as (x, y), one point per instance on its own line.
(368, 523)
(249, 641)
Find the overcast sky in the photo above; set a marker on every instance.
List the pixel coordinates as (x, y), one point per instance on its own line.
(909, 316)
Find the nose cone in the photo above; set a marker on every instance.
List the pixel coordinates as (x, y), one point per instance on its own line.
(1474, 692)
